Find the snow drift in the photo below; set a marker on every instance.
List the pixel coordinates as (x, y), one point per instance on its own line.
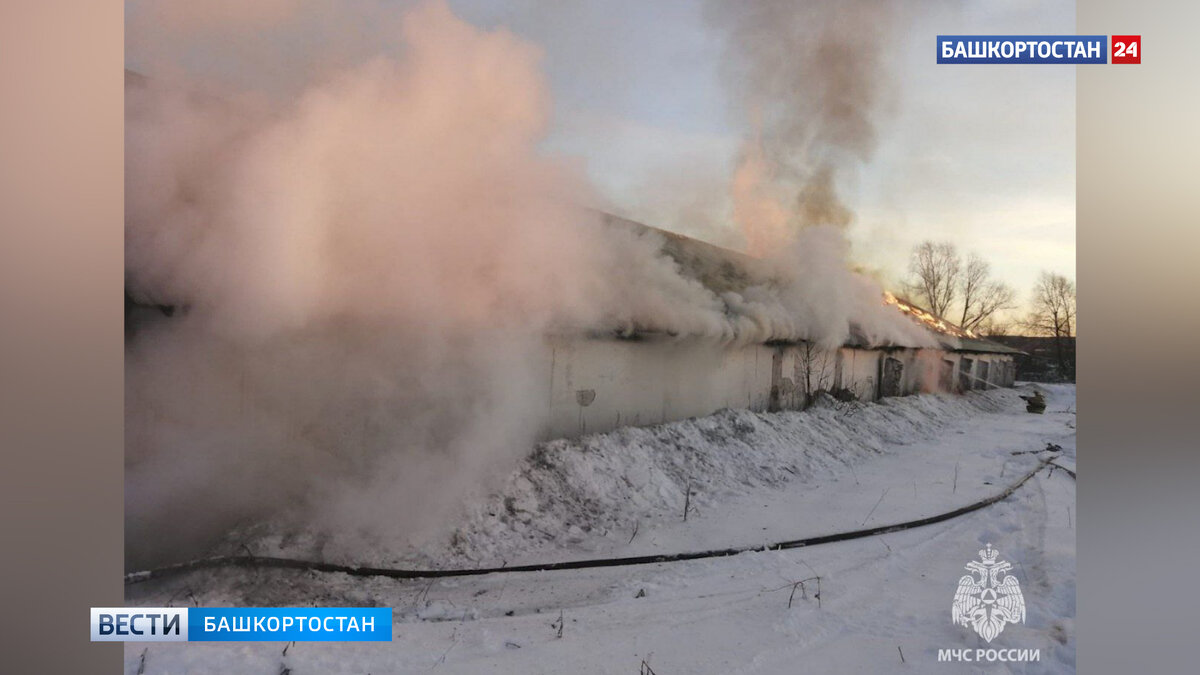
(574, 497)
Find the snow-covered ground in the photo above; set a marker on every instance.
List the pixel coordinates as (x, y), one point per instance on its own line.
(884, 601)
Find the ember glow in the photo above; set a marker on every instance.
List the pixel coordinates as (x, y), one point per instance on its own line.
(925, 318)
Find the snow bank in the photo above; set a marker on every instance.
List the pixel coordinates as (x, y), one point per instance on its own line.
(898, 459)
(574, 497)
(571, 491)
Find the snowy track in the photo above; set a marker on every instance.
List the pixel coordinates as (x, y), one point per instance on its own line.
(400, 573)
(880, 595)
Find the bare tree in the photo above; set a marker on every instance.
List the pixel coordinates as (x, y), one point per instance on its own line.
(935, 267)
(1052, 312)
(816, 366)
(982, 296)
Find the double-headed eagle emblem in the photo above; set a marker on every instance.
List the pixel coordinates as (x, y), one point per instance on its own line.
(989, 602)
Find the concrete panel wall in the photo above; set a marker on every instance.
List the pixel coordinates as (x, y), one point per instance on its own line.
(807, 369)
(600, 385)
(986, 371)
(597, 385)
(860, 373)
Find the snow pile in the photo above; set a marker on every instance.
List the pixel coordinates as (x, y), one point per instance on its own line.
(572, 498)
(875, 463)
(572, 492)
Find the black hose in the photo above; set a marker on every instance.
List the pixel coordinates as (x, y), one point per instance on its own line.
(317, 566)
(1060, 466)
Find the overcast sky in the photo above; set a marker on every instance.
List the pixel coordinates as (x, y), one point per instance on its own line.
(983, 156)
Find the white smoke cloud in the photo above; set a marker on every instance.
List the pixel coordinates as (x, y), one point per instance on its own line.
(808, 82)
(368, 269)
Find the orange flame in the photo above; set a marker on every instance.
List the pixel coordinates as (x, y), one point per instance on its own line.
(925, 318)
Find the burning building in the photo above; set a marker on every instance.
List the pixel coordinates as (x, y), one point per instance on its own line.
(645, 376)
(605, 378)
(350, 309)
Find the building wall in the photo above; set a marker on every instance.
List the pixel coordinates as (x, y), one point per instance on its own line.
(599, 385)
(983, 371)
(860, 373)
(596, 385)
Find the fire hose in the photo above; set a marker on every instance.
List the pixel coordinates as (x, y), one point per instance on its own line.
(394, 573)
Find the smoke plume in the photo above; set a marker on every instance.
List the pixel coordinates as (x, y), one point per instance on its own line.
(806, 78)
(364, 271)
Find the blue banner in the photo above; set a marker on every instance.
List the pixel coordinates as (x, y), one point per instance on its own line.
(1070, 49)
(302, 624)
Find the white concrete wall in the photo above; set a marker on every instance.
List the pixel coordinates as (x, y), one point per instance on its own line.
(637, 383)
(597, 385)
(969, 371)
(860, 373)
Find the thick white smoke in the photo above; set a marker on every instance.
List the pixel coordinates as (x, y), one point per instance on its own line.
(807, 80)
(366, 271)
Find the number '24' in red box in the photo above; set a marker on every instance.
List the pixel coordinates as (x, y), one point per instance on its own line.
(1127, 49)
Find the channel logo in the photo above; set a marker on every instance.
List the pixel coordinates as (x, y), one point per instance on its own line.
(1017, 49)
(139, 624)
(241, 624)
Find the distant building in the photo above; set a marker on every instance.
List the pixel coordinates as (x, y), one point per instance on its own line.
(1042, 359)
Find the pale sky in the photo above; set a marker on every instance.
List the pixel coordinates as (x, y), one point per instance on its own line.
(980, 155)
